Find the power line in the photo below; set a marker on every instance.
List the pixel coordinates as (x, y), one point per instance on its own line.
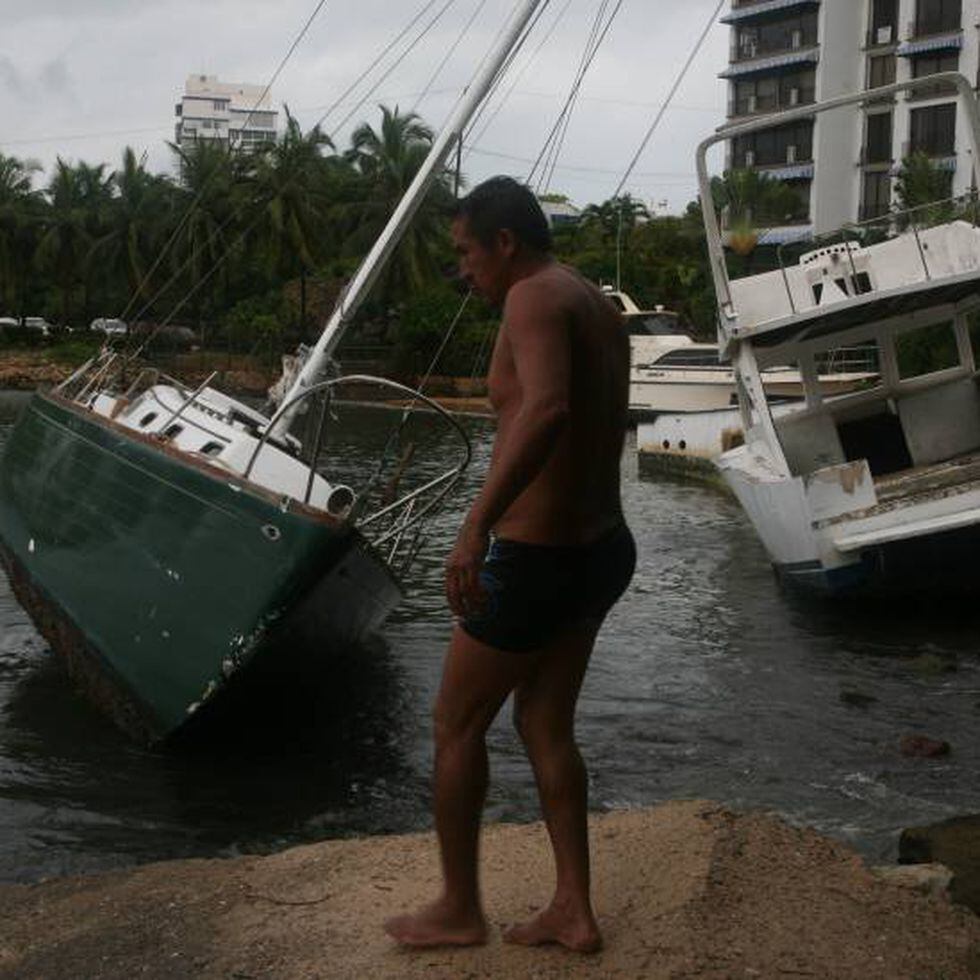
(670, 95)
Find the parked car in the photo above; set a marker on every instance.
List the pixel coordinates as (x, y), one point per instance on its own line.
(8, 321)
(38, 323)
(109, 326)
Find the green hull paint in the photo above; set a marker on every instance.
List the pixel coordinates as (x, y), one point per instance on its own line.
(165, 577)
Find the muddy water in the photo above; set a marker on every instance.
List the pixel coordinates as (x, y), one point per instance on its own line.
(707, 681)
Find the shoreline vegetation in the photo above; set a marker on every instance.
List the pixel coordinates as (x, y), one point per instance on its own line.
(685, 889)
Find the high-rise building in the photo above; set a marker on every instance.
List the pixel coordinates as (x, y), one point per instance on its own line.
(843, 164)
(240, 115)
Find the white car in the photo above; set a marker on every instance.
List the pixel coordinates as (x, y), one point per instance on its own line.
(109, 326)
(37, 323)
(8, 321)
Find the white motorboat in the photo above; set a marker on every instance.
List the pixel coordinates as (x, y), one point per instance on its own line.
(879, 487)
(682, 393)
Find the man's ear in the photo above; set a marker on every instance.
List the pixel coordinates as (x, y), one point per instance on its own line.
(507, 242)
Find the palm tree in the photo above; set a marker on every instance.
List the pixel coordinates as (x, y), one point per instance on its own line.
(66, 239)
(387, 160)
(292, 187)
(212, 205)
(132, 229)
(18, 216)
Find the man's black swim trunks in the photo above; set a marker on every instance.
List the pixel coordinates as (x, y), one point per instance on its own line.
(534, 591)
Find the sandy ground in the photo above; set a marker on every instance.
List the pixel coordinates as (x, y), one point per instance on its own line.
(683, 890)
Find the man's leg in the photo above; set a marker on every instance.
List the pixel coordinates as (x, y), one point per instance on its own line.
(475, 683)
(544, 711)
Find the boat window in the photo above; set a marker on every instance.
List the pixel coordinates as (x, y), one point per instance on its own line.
(925, 350)
(697, 357)
(147, 419)
(654, 325)
(212, 448)
(172, 431)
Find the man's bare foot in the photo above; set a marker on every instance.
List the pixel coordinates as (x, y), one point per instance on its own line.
(575, 931)
(437, 925)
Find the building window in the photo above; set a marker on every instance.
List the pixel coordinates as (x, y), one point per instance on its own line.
(881, 71)
(785, 34)
(878, 138)
(938, 16)
(774, 92)
(884, 22)
(773, 147)
(219, 105)
(932, 130)
(933, 64)
(876, 195)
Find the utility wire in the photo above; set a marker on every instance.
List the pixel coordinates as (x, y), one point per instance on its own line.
(206, 185)
(423, 10)
(417, 40)
(573, 94)
(670, 96)
(470, 148)
(505, 67)
(549, 170)
(452, 50)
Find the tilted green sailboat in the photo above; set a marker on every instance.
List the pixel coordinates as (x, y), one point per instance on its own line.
(167, 541)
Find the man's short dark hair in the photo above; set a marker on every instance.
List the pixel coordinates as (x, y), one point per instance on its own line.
(501, 202)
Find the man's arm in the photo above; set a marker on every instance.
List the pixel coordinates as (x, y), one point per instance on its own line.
(538, 331)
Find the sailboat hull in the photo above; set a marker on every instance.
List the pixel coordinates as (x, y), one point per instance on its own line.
(159, 578)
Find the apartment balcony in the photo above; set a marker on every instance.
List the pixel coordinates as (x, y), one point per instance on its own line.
(764, 61)
(748, 9)
(759, 105)
(925, 43)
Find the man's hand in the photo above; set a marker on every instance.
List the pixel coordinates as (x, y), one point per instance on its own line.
(464, 590)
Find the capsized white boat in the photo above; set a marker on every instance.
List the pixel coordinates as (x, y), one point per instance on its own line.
(877, 488)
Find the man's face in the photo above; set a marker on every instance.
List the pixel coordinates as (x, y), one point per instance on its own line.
(485, 269)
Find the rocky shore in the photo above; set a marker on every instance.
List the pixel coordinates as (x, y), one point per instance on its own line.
(683, 890)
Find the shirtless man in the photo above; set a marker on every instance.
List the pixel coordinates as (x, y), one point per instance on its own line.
(529, 604)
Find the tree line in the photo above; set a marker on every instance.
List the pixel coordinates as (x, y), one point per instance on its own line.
(253, 248)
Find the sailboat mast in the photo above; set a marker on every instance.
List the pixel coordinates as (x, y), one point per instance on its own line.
(375, 260)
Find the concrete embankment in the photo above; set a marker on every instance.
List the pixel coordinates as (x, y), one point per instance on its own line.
(683, 890)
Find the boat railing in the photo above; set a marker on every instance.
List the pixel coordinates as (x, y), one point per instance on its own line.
(719, 267)
(396, 524)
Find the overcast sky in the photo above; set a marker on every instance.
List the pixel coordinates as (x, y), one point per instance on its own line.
(84, 78)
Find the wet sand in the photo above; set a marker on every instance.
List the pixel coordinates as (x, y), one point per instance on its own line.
(683, 890)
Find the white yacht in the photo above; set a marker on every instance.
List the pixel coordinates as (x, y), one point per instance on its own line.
(682, 394)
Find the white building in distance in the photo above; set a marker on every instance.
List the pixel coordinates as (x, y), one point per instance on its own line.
(239, 115)
(786, 53)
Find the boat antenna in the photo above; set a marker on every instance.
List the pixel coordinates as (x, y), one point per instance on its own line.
(670, 96)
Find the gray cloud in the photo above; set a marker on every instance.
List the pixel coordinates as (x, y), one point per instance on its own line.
(128, 61)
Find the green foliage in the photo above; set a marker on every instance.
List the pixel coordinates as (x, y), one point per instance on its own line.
(926, 349)
(423, 323)
(256, 322)
(925, 189)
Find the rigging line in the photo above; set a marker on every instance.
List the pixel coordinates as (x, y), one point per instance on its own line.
(548, 171)
(418, 39)
(552, 138)
(423, 10)
(200, 194)
(511, 58)
(551, 30)
(572, 95)
(557, 143)
(452, 50)
(282, 64)
(670, 96)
